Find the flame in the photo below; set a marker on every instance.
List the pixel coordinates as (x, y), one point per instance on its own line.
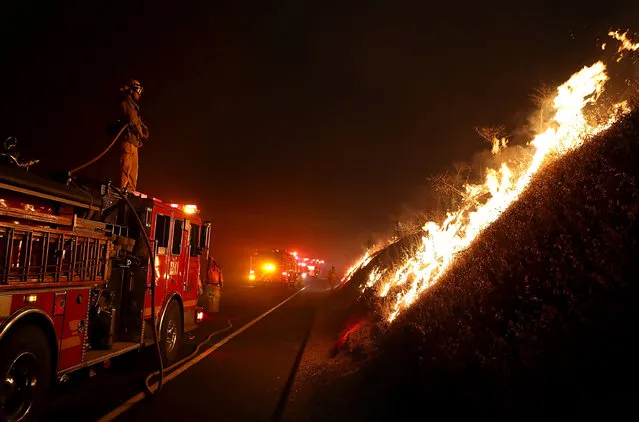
(360, 263)
(366, 258)
(482, 204)
(498, 145)
(625, 43)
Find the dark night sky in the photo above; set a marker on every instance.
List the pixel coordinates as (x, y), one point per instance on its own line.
(292, 123)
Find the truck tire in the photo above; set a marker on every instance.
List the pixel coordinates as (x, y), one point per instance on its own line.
(25, 368)
(171, 333)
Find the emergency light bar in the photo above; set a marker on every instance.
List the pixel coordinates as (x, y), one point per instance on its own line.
(188, 209)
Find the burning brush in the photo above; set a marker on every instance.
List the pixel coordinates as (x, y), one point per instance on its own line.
(571, 126)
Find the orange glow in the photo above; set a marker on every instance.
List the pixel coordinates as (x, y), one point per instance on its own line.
(483, 204)
(625, 43)
(351, 330)
(156, 266)
(190, 209)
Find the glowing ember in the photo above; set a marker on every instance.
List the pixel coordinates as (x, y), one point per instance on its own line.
(482, 204)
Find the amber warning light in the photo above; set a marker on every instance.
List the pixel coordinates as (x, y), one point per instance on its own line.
(188, 209)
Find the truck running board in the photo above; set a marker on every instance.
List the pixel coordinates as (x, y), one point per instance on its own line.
(96, 356)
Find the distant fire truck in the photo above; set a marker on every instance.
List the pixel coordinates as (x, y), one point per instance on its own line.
(272, 266)
(76, 280)
(310, 267)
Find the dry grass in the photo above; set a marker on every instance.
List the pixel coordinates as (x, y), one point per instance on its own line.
(538, 315)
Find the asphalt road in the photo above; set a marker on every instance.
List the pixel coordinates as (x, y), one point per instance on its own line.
(244, 379)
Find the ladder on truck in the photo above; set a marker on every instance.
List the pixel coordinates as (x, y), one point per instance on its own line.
(38, 247)
(29, 254)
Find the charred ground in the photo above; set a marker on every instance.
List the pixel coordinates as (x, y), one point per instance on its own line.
(536, 318)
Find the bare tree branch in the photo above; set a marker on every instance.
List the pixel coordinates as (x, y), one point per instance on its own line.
(489, 133)
(495, 135)
(543, 97)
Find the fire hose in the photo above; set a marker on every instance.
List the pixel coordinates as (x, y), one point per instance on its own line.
(88, 163)
(189, 357)
(147, 242)
(161, 371)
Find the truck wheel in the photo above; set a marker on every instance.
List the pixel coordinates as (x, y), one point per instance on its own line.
(171, 333)
(25, 367)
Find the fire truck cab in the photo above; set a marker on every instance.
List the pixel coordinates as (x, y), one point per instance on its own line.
(77, 278)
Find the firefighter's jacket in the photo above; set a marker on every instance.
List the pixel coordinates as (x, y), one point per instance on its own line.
(214, 274)
(137, 130)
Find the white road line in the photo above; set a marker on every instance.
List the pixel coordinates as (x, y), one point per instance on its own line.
(153, 387)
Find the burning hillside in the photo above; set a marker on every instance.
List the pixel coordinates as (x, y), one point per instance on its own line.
(521, 308)
(538, 314)
(579, 115)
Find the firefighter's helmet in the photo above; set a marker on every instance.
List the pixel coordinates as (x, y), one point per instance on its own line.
(133, 86)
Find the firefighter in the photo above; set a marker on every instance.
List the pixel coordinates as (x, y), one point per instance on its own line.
(133, 136)
(214, 273)
(213, 281)
(332, 277)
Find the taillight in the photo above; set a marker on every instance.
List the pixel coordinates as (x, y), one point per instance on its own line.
(199, 315)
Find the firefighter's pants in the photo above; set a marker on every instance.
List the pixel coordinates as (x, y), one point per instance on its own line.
(129, 166)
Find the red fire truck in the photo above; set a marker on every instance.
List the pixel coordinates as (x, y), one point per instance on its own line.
(79, 266)
(270, 266)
